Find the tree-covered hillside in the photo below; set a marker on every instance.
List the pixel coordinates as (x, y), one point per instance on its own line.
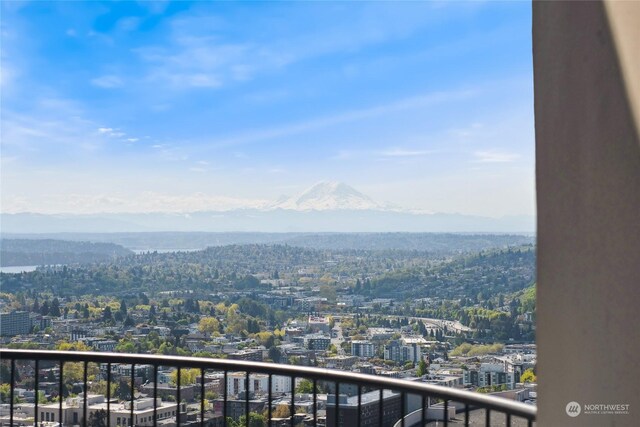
(50, 252)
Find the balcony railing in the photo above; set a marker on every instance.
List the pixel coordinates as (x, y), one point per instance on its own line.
(374, 401)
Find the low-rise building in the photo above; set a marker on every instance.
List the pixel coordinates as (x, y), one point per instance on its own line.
(169, 392)
(341, 362)
(235, 408)
(318, 324)
(255, 355)
(380, 334)
(317, 342)
(72, 411)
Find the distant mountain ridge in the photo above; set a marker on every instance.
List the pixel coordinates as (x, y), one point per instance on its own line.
(277, 220)
(432, 242)
(325, 207)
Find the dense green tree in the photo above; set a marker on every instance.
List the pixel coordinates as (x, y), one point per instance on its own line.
(144, 299)
(123, 390)
(44, 308)
(306, 387)
(97, 418)
(106, 314)
(422, 368)
(528, 376)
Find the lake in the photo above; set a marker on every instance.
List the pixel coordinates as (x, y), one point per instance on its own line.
(18, 269)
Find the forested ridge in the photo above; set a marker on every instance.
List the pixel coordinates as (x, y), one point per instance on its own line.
(397, 274)
(14, 252)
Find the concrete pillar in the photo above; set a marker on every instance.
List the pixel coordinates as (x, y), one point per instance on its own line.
(586, 81)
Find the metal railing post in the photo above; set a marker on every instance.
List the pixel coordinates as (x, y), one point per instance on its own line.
(84, 389)
(269, 401)
(133, 384)
(381, 408)
(202, 395)
(446, 413)
(363, 382)
(60, 420)
(12, 390)
(178, 397)
(337, 414)
(315, 403)
(403, 402)
(108, 394)
(155, 396)
(224, 402)
(293, 399)
(37, 393)
(359, 404)
(246, 398)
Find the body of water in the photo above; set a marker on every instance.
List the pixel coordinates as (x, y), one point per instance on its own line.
(18, 268)
(164, 251)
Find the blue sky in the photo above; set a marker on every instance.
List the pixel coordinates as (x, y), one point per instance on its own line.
(143, 106)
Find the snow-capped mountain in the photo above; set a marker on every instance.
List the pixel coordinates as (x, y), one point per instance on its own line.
(325, 207)
(329, 195)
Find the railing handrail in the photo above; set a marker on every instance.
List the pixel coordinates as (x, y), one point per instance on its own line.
(322, 374)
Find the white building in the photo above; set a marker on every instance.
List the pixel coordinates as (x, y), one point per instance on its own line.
(258, 383)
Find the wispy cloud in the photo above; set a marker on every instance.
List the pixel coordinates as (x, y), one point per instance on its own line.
(107, 82)
(7, 74)
(201, 166)
(416, 102)
(173, 153)
(129, 23)
(344, 155)
(399, 152)
(277, 170)
(80, 203)
(468, 131)
(119, 134)
(197, 55)
(381, 154)
(53, 125)
(113, 133)
(155, 7)
(492, 156)
(195, 62)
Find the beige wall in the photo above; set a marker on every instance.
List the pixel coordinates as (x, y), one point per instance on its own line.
(588, 186)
